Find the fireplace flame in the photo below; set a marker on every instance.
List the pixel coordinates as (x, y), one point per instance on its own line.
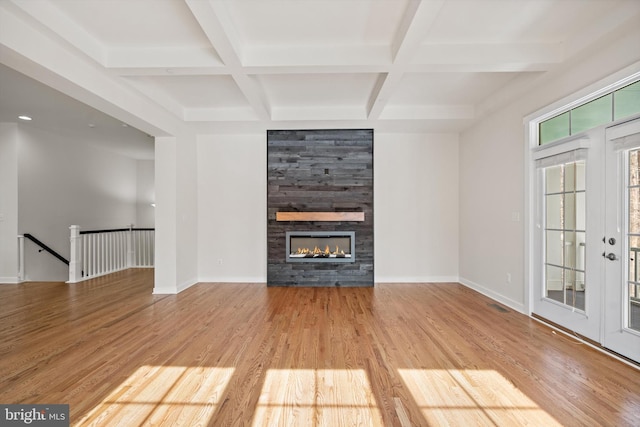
(317, 251)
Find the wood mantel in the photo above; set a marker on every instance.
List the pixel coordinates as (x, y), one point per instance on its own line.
(320, 216)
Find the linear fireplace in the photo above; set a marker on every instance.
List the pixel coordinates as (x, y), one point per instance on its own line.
(321, 246)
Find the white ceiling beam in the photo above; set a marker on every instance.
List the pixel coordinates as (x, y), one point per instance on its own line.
(170, 71)
(165, 58)
(514, 57)
(318, 69)
(218, 27)
(417, 21)
(46, 13)
(226, 114)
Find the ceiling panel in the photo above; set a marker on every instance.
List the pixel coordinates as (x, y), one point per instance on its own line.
(447, 88)
(317, 22)
(509, 21)
(136, 23)
(290, 90)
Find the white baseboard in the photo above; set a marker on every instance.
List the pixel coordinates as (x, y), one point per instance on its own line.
(429, 279)
(9, 280)
(187, 284)
(172, 291)
(235, 279)
(519, 307)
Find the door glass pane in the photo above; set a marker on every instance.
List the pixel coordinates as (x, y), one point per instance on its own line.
(580, 177)
(581, 211)
(569, 211)
(553, 179)
(634, 210)
(554, 246)
(554, 211)
(627, 101)
(570, 251)
(633, 227)
(595, 113)
(565, 237)
(570, 177)
(554, 283)
(634, 168)
(581, 247)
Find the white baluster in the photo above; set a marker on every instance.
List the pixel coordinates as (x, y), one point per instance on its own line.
(130, 248)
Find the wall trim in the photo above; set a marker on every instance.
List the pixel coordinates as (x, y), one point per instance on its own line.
(218, 282)
(11, 280)
(519, 307)
(187, 284)
(428, 279)
(218, 279)
(173, 291)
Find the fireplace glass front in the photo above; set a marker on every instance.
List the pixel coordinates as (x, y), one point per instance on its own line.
(321, 246)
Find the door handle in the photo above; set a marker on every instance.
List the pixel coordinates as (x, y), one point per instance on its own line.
(611, 256)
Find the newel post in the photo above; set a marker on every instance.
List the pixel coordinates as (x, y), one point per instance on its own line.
(21, 258)
(75, 258)
(130, 247)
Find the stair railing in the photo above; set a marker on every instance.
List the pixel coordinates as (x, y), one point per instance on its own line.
(95, 253)
(41, 245)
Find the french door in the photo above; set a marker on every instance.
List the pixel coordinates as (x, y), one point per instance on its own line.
(587, 219)
(621, 253)
(568, 222)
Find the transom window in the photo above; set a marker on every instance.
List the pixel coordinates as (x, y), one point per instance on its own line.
(622, 103)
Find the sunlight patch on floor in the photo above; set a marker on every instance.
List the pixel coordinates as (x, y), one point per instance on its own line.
(322, 397)
(471, 397)
(163, 395)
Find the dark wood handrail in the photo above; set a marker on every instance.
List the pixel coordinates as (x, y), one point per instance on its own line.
(46, 248)
(113, 230)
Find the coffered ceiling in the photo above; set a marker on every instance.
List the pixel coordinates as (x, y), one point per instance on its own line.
(224, 66)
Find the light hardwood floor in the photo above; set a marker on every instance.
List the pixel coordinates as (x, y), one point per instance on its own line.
(245, 354)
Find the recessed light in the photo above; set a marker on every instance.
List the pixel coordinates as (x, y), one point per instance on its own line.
(25, 118)
(91, 125)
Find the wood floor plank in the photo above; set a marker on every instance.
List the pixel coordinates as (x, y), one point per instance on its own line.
(243, 354)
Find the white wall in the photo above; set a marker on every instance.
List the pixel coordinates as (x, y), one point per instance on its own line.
(187, 211)
(492, 183)
(176, 214)
(8, 202)
(145, 194)
(232, 208)
(416, 208)
(63, 182)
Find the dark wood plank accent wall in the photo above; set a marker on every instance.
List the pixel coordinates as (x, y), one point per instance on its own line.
(320, 171)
